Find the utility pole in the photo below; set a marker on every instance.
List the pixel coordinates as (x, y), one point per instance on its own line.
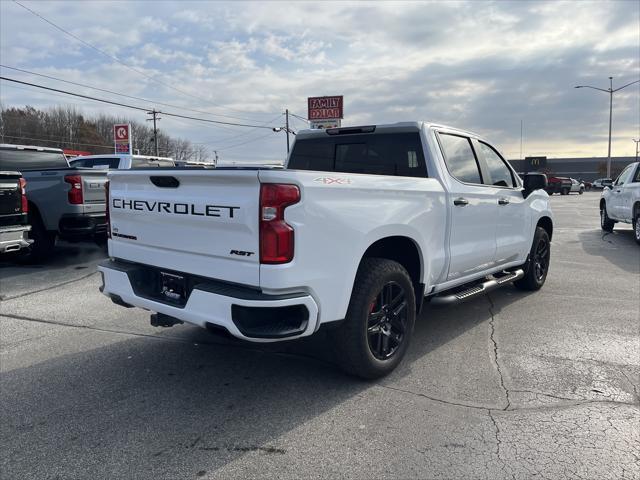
(286, 112)
(610, 91)
(521, 157)
(155, 118)
(637, 142)
(216, 153)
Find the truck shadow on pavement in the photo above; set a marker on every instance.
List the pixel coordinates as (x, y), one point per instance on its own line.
(184, 407)
(68, 262)
(618, 247)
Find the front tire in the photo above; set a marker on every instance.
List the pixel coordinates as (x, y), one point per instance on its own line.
(581, 191)
(605, 222)
(376, 332)
(636, 228)
(537, 266)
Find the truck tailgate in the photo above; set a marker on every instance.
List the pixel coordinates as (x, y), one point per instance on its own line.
(93, 185)
(202, 222)
(10, 193)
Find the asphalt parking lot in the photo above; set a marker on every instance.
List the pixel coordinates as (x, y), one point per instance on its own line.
(510, 385)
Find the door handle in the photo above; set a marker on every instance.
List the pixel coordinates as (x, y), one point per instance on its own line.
(503, 201)
(461, 202)
(618, 191)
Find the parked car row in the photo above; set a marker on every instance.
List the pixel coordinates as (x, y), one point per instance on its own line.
(44, 196)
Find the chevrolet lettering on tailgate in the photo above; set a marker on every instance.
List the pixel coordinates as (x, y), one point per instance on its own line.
(175, 208)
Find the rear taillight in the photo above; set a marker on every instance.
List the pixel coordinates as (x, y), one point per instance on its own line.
(106, 211)
(276, 235)
(75, 192)
(24, 205)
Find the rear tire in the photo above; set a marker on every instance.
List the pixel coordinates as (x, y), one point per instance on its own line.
(636, 228)
(605, 222)
(43, 242)
(537, 266)
(375, 334)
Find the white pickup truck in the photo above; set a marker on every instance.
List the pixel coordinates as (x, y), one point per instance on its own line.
(360, 227)
(620, 202)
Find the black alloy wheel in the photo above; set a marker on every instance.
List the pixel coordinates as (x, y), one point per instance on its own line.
(376, 332)
(537, 266)
(387, 321)
(605, 222)
(541, 258)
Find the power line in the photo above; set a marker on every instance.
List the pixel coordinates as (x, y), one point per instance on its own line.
(119, 94)
(140, 72)
(244, 143)
(132, 106)
(50, 140)
(224, 140)
(294, 115)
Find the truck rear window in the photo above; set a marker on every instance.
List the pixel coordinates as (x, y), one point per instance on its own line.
(25, 160)
(151, 162)
(397, 154)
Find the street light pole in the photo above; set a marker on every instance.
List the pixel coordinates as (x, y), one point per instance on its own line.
(287, 127)
(610, 121)
(637, 142)
(610, 91)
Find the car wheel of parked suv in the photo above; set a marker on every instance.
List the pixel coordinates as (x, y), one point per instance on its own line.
(605, 222)
(376, 331)
(537, 266)
(581, 191)
(636, 227)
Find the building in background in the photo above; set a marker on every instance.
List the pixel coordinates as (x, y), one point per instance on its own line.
(586, 168)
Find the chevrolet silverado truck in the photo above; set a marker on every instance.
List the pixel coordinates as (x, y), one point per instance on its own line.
(360, 228)
(63, 202)
(13, 213)
(620, 202)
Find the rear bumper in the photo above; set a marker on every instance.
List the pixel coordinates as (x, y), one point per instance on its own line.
(14, 238)
(245, 313)
(76, 226)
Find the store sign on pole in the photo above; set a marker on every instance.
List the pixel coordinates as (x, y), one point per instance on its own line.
(122, 138)
(325, 112)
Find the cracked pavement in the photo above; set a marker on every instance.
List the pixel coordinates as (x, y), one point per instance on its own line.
(511, 385)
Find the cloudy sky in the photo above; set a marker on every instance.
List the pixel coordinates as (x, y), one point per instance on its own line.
(483, 66)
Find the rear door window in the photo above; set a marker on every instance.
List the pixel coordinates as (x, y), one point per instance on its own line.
(25, 160)
(460, 159)
(396, 154)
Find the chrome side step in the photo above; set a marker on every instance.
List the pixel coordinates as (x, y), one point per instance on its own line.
(477, 289)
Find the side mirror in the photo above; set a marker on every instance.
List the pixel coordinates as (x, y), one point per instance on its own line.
(534, 181)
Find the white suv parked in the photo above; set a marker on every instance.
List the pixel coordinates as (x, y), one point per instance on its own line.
(621, 201)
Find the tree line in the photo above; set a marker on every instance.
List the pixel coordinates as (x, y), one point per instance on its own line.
(66, 127)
